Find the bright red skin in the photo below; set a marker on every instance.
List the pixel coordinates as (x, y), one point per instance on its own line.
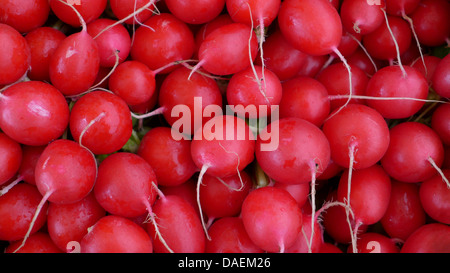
(440, 122)
(372, 242)
(243, 89)
(369, 194)
(228, 49)
(42, 106)
(359, 17)
(179, 225)
(300, 192)
(361, 126)
(348, 45)
(116, 39)
(75, 64)
(115, 234)
(218, 200)
(405, 213)
(265, 11)
(15, 57)
(431, 63)
(228, 235)
(123, 8)
(200, 12)
(335, 80)
(43, 42)
(170, 159)
(312, 65)
(228, 153)
(207, 28)
(171, 41)
(435, 197)
(38, 242)
(10, 158)
(67, 169)
(281, 57)
(390, 82)
(313, 27)
(133, 81)
(70, 222)
(411, 145)
(89, 10)
(400, 7)
(431, 22)
(17, 208)
(124, 185)
(24, 15)
(305, 98)
(186, 190)
(30, 156)
(108, 134)
(441, 78)
(430, 238)
(379, 43)
(301, 243)
(359, 59)
(273, 228)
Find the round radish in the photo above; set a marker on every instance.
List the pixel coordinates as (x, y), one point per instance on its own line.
(431, 63)
(30, 156)
(430, 238)
(24, 15)
(10, 158)
(39, 242)
(88, 9)
(304, 244)
(207, 28)
(401, 7)
(130, 10)
(312, 65)
(435, 197)
(300, 192)
(186, 190)
(200, 12)
(440, 122)
(361, 17)
(253, 12)
(441, 78)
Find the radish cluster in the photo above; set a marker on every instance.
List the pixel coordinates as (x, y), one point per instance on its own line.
(239, 126)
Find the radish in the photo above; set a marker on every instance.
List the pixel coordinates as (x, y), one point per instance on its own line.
(68, 223)
(10, 158)
(304, 244)
(228, 235)
(15, 48)
(17, 207)
(435, 197)
(312, 65)
(42, 106)
(115, 234)
(207, 28)
(300, 192)
(430, 238)
(186, 190)
(43, 42)
(401, 7)
(405, 213)
(440, 79)
(372, 242)
(360, 17)
(170, 158)
(362, 60)
(132, 11)
(88, 9)
(200, 12)
(30, 156)
(266, 226)
(414, 153)
(427, 67)
(440, 123)
(24, 15)
(39, 242)
(101, 122)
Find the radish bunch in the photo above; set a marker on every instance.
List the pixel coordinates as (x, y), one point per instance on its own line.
(170, 126)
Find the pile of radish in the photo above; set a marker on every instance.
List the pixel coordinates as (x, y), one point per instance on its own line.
(237, 126)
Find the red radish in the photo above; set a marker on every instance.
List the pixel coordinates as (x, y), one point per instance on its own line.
(431, 22)
(430, 238)
(115, 234)
(441, 78)
(250, 12)
(300, 192)
(30, 156)
(293, 166)
(39, 242)
(363, 61)
(349, 44)
(124, 185)
(435, 197)
(207, 28)
(372, 242)
(281, 57)
(431, 62)
(405, 213)
(130, 10)
(70, 222)
(133, 81)
(15, 58)
(10, 158)
(170, 158)
(405, 83)
(24, 15)
(360, 17)
(331, 171)
(228, 235)
(42, 106)
(305, 98)
(358, 136)
(17, 207)
(243, 89)
(88, 9)
(266, 226)
(179, 226)
(329, 248)
(116, 39)
(312, 65)
(440, 122)
(401, 7)
(101, 122)
(186, 190)
(223, 197)
(304, 242)
(413, 151)
(162, 39)
(200, 12)
(228, 49)
(43, 42)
